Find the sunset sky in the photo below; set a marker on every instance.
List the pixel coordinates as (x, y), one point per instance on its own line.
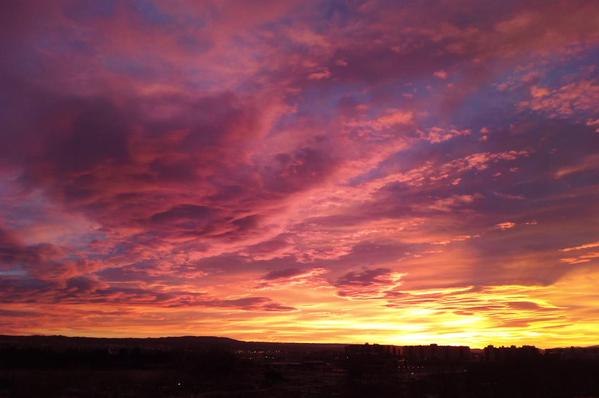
(403, 172)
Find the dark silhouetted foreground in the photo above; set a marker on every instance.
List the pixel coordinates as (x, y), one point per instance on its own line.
(58, 366)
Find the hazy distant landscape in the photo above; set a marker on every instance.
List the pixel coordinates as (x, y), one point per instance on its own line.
(55, 366)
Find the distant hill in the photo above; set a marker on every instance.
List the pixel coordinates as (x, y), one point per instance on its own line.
(174, 342)
(160, 342)
(163, 343)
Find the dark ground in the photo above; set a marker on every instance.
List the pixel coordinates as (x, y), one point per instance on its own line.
(217, 367)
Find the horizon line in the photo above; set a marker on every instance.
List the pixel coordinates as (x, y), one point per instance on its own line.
(293, 342)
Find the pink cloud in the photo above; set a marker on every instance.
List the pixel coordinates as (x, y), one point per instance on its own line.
(567, 100)
(590, 245)
(437, 135)
(505, 225)
(452, 202)
(441, 74)
(593, 123)
(294, 277)
(320, 75)
(367, 284)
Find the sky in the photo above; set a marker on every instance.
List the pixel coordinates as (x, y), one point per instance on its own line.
(399, 172)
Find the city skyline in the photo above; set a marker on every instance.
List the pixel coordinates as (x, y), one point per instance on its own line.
(400, 173)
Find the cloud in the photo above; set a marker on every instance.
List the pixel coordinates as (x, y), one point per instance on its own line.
(593, 123)
(390, 118)
(80, 290)
(244, 303)
(581, 247)
(504, 306)
(581, 254)
(586, 164)
(293, 277)
(181, 212)
(440, 74)
(579, 97)
(320, 75)
(367, 284)
(437, 135)
(453, 202)
(283, 273)
(505, 225)
(356, 168)
(44, 261)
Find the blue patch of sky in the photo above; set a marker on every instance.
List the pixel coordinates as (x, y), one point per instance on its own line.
(152, 14)
(138, 68)
(83, 10)
(17, 271)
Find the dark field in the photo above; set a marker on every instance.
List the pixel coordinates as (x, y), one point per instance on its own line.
(218, 367)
